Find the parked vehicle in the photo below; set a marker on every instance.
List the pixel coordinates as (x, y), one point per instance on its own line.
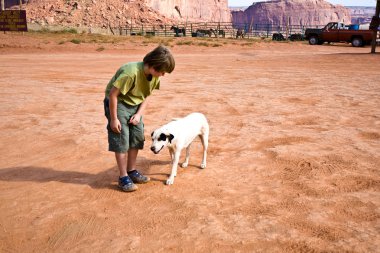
(338, 32)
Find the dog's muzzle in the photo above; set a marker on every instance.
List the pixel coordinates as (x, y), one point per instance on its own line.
(153, 148)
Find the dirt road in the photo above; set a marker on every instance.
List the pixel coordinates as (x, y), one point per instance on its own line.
(293, 163)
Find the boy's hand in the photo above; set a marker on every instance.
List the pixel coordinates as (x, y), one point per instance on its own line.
(135, 119)
(116, 126)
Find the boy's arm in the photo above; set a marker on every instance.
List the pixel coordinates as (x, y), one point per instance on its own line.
(135, 119)
(115, 123)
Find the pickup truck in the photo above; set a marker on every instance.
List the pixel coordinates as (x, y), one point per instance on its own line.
(338, 32)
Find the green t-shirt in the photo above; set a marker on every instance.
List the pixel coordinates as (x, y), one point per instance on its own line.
(132, 83)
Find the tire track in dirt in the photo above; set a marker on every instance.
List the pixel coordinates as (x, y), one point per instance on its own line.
(303, 174)
(369, 135)
(265, 145)
(353, 209)
(72, 232)
(317, 230)
(354, 183)
(225, 138)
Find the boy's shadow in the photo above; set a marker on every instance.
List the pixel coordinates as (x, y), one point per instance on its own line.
(105, 179)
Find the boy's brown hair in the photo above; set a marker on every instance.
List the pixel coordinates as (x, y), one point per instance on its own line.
(160, 59)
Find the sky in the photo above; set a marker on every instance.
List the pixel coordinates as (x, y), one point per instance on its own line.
(371, 3)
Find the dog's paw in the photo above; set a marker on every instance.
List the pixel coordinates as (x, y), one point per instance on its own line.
(170, 181)
(203, 165)
(184, 165)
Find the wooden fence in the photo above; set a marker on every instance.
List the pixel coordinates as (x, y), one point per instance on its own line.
(208, 29)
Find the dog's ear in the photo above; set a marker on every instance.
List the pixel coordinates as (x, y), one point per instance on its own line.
(171, 137)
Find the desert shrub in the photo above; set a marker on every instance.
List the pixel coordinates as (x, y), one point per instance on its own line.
(186, 42)
(71, 30)
(44, 30)
(205, 44)
(166, 42)
(75, 41)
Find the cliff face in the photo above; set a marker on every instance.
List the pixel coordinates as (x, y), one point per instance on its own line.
(114, 13)
(92, 13)
(193, 10)
(298, 12)
(360, 15)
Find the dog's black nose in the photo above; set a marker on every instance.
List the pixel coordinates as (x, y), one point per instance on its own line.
(153, 149)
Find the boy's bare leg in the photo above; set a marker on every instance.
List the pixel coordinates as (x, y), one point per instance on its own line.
(121, 159)
(132, 157)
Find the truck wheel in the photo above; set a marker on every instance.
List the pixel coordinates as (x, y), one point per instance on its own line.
(357, 42)
(313, 40)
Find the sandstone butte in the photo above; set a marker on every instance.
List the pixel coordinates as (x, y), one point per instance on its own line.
(293, 12)
(103, 14)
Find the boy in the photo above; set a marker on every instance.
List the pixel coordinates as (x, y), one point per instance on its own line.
(127, 95)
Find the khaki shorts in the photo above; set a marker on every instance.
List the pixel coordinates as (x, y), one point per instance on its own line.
(131, 136)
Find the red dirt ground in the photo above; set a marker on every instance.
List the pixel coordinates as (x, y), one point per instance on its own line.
(293, 163)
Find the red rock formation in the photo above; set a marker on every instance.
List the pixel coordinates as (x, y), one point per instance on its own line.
(193, 10)
(93, 13)
(114, 13)
(298, 12)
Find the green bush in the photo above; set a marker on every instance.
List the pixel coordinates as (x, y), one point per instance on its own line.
(71, 30)
(75, 41)
(187, 42)
(205, 44)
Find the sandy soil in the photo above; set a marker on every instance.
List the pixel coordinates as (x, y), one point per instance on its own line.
(293, 162)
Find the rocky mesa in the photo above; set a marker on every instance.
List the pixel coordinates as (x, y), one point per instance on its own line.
(292, 12)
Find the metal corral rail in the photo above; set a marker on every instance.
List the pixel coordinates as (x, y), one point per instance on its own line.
(209, 29)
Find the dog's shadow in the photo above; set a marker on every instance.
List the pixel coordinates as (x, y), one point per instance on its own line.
(149, 163)
(167, 167)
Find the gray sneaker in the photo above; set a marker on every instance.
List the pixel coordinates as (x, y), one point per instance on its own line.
(126, 184)
(137, 177)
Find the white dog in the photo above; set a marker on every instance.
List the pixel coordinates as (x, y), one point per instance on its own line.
(179, 134)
